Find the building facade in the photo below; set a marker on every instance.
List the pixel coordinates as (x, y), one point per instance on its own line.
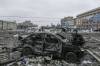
(83, 21)
(8, 25)
(67, 23)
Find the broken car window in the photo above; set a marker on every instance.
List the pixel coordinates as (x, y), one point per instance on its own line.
(51, 39)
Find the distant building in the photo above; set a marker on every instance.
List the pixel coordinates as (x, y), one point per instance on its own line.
(67, 23)
(95, 22)
(51, 28)
(85, 20)
(26, 26)
(8, 25)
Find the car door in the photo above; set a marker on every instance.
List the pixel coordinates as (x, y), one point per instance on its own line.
(38, 43)
(51, 44)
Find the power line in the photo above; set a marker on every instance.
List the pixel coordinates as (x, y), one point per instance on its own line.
(28, 17)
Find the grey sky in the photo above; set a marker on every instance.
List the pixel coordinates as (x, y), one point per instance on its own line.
(45, 8)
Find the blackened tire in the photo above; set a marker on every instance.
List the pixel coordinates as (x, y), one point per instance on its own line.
(26, 51)
(71, 57)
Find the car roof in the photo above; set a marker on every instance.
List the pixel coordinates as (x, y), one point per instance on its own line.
(39, 33)
(42, 33)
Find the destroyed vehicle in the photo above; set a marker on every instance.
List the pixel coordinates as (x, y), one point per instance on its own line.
(48, 44)
(72, 38)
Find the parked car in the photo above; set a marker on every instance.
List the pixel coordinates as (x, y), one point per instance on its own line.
(48, 44)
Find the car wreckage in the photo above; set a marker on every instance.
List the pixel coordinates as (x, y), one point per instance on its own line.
(43, 43)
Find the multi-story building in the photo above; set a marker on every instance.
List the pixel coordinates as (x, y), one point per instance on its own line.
(84, 21)
(8, 25)
(67, 23)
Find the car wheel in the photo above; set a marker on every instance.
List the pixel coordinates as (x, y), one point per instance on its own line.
(26, 51)
(71, 57)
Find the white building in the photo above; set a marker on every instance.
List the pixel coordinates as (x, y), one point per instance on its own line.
(8, 25)
(67, 23)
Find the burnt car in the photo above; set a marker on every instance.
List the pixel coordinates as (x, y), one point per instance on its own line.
(73, 38)
(48, 44)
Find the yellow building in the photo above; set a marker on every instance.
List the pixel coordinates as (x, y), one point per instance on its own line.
(83, 22)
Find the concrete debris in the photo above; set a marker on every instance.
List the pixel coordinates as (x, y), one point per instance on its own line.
(41, 61)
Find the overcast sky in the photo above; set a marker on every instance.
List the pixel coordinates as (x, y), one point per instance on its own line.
(50, 9)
